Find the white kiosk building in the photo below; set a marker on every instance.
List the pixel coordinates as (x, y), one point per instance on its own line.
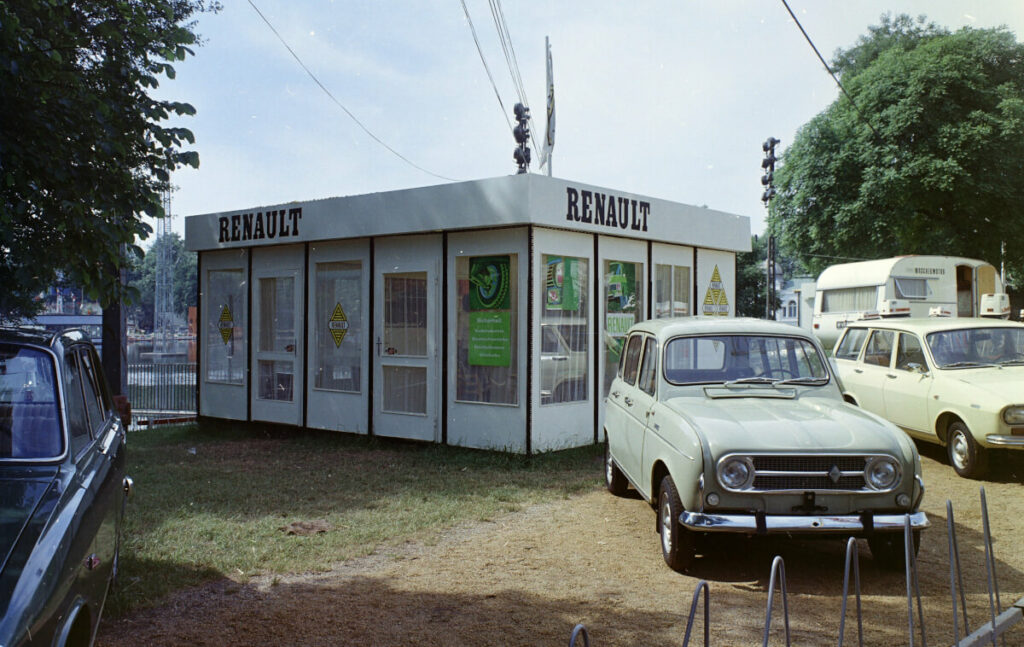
(483, 314)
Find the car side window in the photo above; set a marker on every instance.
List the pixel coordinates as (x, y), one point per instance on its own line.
(629, 369)
(649, 367)
(879, 348)
(78, 419)
(852, 342)
(91, 388)
(549, 341)
(909, 354)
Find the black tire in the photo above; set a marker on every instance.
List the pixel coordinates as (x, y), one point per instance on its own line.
(677, 543)
(968, 459)
(888, 550)
(614, 479)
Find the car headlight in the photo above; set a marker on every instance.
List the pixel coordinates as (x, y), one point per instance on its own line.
(736, 472)
(882, 473)
(1014, 415)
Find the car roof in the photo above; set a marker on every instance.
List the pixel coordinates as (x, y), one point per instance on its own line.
(924, 325)
(39, 336)
(675, 326)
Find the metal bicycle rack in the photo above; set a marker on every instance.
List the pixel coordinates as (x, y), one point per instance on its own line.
(999, 622)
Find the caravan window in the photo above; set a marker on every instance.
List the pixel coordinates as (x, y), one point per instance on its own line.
(907, 288)
(850, 299)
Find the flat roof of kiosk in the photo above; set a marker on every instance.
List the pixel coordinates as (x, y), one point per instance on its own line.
(515, 200)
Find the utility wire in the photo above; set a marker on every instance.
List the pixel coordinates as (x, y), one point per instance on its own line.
(480, 51)
(831, 73)
(505, 37)
(339, 104)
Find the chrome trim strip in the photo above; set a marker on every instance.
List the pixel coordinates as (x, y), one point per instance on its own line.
(747, 523)
(1005, 441)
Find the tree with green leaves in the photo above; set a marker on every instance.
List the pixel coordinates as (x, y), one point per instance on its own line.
(929, 160)
(183, 274)
(752, 279)
(84, 152)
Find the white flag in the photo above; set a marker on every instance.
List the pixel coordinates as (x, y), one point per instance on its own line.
(549, 138)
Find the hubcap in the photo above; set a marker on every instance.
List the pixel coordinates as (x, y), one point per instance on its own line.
(960, 450)
(608, 469)
(666, 527)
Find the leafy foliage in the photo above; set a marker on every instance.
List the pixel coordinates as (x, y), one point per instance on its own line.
(142, 277)
(751, 279)
(945, 173)
(83, 154)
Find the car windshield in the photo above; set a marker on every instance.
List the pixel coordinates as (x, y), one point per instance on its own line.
(743, 359)
(29, 424)
(970, 347)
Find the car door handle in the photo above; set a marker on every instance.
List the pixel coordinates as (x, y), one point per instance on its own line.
(629, 401)
(858, 370)
(891, 376)
(615, 394)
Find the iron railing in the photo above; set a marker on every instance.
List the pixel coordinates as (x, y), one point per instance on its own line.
(162, 387)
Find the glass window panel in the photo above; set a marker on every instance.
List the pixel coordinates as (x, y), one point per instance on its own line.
(224, 313)
(93, 401)
(911, 288)
(487, 335)
(78, 421)
(405, 314)
(276, 379)
(565, 371)
(680, 291)
(339, 326)
(277, 314)
(879, 348)
(649, 368)
(850, 299)
(852, 343)
(662, 291)
(28, 404)
(909, 354)
(702, 360)
(405, 389)
(630, 367)
(623, 294)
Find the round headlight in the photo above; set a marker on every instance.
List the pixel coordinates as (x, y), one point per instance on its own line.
(881, 473)
(736, 473)
(1014, 415)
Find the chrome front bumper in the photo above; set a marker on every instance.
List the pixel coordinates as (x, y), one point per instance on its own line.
(1006, 441)
(810, 524)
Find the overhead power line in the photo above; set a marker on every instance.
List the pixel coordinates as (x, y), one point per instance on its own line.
(339, 104)
(831, 73)
(505, 38)
(483, 60)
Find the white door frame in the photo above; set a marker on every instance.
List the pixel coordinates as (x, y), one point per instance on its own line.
(401, 255)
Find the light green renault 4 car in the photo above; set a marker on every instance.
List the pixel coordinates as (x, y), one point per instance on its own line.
(739, 426)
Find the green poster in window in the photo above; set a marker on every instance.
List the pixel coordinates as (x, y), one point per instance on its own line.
(490, 338)
(562, 283)
(620, 283)
(489, 280)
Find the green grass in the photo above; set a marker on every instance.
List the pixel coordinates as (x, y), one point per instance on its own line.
(210, 500)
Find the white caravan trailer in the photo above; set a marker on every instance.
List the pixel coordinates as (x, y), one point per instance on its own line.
(914, 286)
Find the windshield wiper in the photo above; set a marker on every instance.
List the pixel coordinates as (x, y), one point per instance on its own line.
(751, 380)
(965, 364)
(803, 380)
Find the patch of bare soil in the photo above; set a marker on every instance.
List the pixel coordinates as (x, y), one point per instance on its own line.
(528, 578)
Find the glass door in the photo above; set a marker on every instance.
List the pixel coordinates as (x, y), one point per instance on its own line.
(407, 338)
(277, 308)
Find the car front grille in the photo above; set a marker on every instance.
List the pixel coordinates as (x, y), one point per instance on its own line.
(787, 473)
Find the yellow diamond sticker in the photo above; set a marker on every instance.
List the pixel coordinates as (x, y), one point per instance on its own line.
(226, 324)
(338, 325)
(715, 300)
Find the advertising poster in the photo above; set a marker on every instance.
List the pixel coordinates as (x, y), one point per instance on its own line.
(490, 324)
(562, 283)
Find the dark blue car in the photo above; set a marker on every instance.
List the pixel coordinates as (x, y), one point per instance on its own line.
(62, 488)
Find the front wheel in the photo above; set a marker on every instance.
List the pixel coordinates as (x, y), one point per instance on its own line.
(677, 543)
(614, 479)
(965, 455)
(888, 549)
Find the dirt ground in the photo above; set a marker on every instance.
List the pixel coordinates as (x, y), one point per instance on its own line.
(528, 578)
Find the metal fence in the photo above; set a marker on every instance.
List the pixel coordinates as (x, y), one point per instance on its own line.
(163, 388)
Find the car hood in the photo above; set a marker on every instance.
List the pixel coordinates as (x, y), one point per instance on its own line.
(1006, 383)
(26, 496)
(800, 424)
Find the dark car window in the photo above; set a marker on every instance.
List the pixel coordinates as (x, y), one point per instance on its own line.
(549, 342)
(29, 422)
(649, 367)
(91, 388)
(852, 342)
(78, 420)
(909, 352)
(629, 368)
(879, 348)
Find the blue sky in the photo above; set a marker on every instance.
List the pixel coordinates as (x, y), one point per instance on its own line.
(666, 99)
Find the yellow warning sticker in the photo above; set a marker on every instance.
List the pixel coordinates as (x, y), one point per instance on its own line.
(338, 325)
(226, 324)
(716, 303)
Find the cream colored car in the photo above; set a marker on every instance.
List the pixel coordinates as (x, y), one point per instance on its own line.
(958, 382)
(739, 426)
